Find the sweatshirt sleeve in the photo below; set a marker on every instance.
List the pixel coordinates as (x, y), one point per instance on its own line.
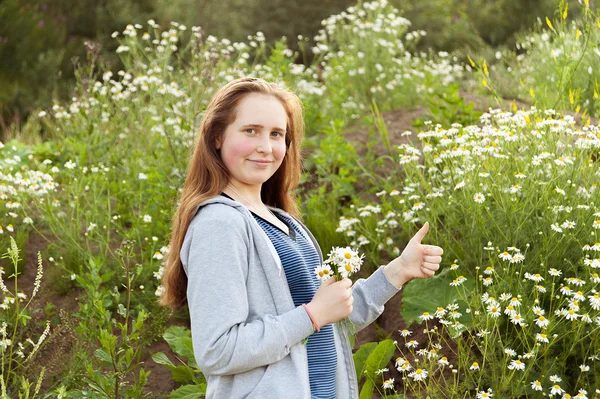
(224, 341)
(370, 296)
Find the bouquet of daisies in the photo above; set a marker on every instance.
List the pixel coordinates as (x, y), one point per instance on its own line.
(341, 262)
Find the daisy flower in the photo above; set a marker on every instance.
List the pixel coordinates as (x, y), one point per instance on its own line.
(418, 375)
(479, 198)
(388, 384)
(516, 364)
(536, 385)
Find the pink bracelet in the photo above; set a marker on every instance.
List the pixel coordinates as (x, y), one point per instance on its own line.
(311, 317)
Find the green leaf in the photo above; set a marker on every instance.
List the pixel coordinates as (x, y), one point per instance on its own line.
(180, 340)
(161, 358)
(377, 359)
(189, 392)
(360, 358)
(181, 373)
(102, 355)
(425, 295)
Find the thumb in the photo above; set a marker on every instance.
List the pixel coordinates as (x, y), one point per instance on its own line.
(422, 232)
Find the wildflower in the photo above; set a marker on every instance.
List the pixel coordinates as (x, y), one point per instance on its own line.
(494, 310)
(510, 352)
(594, 301)
(534, 277)
(556, 228)
(488, 281)
(584, 368)
(157, 255)
(412, 344)
(147, 218)
(555, 378)
(516, 364)
(440, 312)
(505, 256)
(426, 316)
(388, 384)
(474, 366)
(443, 361)
(542, 322)
(517, 319)
(405, 332)
(159, 291)
(38, 277)
(458, 281)
(346, 259)
(324, 272)
(571, 315)
(541, 337)
(568, 224)
(453, 266)
(10, 228)
(488, 270)
(381, 371)
(142, 176)
(510, 311)
(514, 302)
(479, 198)
(554, 272)
(418, 375)
(484, 395)
(70, 164)
(517, 258)
(505, 296)
(556, 390)
(536, 385)
(460, 185)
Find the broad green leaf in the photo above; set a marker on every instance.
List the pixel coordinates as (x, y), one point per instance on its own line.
(181, 373)
(102, 355)
(161, 358)
(377, 359)
(360, 358)
(189, 392)
(180, 340)
(425, 295)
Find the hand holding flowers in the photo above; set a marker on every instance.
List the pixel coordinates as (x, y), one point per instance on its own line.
(333, 300)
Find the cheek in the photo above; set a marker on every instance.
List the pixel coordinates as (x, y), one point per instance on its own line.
(279, 151)
(234, 151)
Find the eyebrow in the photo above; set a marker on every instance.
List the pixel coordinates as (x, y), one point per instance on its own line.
(256, 126)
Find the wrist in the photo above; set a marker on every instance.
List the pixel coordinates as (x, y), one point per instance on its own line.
(395, 274)
(316, 315)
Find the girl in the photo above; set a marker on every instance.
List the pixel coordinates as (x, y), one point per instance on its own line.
(262, 325)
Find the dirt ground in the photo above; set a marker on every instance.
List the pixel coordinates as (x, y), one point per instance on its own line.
(61, 340)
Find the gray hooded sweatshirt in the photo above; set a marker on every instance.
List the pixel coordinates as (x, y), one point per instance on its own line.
(247, 334)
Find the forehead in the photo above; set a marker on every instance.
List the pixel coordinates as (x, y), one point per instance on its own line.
(261, 109)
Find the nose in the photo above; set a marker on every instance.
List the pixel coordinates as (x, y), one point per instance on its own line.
(264, 145)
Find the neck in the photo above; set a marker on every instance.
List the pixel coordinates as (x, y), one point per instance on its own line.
(249, 196)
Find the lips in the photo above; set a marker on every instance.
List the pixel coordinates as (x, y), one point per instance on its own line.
(260, 162)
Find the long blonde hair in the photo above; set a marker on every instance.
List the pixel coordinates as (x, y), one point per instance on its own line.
(207, 175)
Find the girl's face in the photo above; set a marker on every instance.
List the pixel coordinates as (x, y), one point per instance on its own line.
(253, 146)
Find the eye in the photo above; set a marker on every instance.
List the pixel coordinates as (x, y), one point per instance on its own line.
(279, 133)
(249, 130)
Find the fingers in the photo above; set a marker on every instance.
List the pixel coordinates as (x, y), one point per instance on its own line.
(346, 283)
(433, 250)
(432, 259)
(430, 266)
(427, 272)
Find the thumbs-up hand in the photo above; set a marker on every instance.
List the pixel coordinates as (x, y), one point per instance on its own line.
(416, 261)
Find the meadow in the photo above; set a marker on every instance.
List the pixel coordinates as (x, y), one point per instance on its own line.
(500, 155)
